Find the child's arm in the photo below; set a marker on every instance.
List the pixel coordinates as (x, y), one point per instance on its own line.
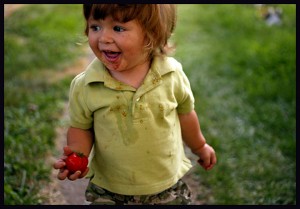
(78, 140)
(192, 136)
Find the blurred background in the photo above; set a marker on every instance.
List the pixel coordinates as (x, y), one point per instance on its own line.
(241, 62)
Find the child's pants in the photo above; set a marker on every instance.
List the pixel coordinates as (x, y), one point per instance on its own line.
(178, 194)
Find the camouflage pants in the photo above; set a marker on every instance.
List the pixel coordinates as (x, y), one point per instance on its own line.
(178, 194)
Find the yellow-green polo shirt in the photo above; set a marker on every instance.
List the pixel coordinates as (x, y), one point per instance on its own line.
(138, 144)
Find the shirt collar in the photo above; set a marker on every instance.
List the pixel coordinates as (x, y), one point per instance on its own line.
(95, 72)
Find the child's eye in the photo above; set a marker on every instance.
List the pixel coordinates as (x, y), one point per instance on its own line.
(119, 29)
(95, 28)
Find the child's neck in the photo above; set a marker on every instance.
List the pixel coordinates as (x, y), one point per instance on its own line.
(133, 77)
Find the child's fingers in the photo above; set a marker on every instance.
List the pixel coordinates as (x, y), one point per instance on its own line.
(207, 165)
(74, 176)
(214, 159)
(204, 163)
(62, 174)
(201, 162)
(84, 173)
(59, 164)
(67, 150)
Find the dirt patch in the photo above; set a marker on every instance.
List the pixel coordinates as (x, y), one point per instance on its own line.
(64, 192)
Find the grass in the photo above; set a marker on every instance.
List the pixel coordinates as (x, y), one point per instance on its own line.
(37, 38)
(243, 77)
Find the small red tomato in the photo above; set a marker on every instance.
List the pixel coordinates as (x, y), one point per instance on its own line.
(76, 162)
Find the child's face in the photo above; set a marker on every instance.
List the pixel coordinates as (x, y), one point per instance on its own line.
(120, 46)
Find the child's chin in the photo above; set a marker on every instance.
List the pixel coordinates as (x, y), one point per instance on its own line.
(113, 67)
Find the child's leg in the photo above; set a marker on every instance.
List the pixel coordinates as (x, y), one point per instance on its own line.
(179, 194)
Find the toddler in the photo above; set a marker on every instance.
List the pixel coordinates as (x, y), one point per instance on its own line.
(134, 106)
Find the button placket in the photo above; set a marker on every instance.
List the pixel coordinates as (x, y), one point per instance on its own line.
(135, 111)
(152, 81)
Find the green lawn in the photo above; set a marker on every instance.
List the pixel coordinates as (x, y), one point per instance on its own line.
(242, 72)
(37, 38)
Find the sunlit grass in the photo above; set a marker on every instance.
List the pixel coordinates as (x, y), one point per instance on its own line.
(36, 38)
(243, 76)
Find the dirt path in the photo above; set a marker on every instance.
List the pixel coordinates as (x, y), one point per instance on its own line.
(62, 192)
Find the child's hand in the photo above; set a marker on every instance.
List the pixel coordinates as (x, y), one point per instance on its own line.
(63, 172)
(207, 157)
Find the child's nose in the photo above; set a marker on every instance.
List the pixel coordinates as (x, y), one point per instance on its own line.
(105, 37)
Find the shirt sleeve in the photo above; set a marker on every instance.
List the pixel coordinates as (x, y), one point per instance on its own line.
(185, 97)
(79, 113)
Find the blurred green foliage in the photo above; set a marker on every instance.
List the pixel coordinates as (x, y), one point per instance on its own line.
(243, 74)
(37, 38)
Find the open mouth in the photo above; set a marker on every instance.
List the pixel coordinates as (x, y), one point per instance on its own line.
(111, 56)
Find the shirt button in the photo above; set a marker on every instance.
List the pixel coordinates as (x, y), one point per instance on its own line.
(138, 99)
